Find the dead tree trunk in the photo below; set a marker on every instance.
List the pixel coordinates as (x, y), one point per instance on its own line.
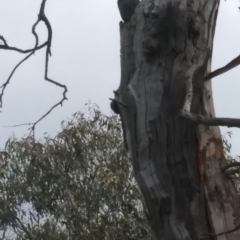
(166, 51)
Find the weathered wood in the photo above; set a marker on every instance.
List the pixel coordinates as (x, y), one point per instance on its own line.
(176, 164)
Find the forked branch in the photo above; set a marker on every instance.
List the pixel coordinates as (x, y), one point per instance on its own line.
(41, 17)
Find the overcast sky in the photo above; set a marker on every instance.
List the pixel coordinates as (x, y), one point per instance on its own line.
(86, 58)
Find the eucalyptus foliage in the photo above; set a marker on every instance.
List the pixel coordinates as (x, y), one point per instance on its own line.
(234, 172)
(76, 185)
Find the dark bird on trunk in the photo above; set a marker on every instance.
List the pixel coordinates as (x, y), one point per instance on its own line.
(126, 8)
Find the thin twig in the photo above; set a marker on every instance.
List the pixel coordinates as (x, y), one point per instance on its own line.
(6, 47)
(19, 125)
(208, 235)
(49, 111)
(4, 41)
(234, 63)
(10, 76)
(228, 122)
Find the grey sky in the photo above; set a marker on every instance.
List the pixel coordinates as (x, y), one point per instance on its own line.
(86, 57)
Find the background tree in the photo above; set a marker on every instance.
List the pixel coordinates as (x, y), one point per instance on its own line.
(77, 185)
(165, 92)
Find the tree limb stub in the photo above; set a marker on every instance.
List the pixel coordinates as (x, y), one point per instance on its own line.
(121, 104)
(198, 119)
(234, 63)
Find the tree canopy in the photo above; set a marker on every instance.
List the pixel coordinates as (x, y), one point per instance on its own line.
(76, 185)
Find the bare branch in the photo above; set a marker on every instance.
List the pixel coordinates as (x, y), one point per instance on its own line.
(4, 41)
(19, 125)
(228, 122)
(6, 47)
(211, 235)
(41, 17)
(41, 13)
(50, 110)
(10, 76)
(234, 63)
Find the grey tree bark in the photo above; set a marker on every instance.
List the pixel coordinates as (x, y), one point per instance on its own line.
(166, 51)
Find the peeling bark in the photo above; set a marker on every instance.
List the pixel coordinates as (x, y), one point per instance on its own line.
(166, 45)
